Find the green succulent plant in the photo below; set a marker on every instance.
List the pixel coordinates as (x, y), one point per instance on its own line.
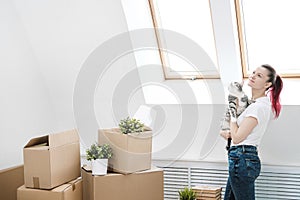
(187, 194)
(97, 151)
(131, 125)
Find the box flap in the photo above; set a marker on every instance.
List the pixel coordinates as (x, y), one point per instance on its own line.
(66, 186)
(87, 168)
(63, 138)
(147, 128)
(38, 141)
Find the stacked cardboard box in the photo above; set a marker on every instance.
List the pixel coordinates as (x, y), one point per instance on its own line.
(144, 185)
(204, 192)
(52, 167)
(10, 180)
(68, 191)
(50, 162)
(131, 176)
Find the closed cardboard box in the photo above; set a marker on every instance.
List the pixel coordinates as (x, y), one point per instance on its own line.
(68, 191)
(145, 185)
(10, 180)
(131, 152)
(52, 160)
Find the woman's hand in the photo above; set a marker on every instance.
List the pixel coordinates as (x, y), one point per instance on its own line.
(225, 134)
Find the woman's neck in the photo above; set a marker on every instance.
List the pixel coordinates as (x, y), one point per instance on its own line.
(256, 95)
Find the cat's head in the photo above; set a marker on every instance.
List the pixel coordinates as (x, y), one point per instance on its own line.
(236, 88)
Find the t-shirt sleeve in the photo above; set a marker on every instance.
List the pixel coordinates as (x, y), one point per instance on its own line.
(255, 111)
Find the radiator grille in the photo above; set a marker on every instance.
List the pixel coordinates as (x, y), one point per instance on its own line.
(175, 178)
(274, 182)
(278, 185)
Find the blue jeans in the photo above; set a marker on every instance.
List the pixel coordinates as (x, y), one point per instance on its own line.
(244, 167)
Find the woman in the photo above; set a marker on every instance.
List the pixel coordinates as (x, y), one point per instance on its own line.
(247, 130)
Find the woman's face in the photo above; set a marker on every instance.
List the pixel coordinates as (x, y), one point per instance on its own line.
(259, 79)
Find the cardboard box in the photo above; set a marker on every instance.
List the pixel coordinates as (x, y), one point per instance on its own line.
(52, 160)
(68, 191)
(10, 180)
(207, 192)
(145, 185)
(131, 152)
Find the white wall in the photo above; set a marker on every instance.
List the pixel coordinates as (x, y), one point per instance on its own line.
(44, 45)
(202, 102)
(26, 108)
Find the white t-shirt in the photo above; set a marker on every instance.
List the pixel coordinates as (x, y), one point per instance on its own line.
(262, 111)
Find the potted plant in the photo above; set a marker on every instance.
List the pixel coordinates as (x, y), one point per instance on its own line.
(187, 194)
(131, 125)
(99, 155)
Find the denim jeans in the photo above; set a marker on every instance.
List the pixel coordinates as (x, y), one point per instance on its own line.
(244, 167)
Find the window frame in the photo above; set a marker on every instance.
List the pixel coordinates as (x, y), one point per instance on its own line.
(163, 57)
(242, 44)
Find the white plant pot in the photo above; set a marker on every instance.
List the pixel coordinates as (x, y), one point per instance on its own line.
(99, 166)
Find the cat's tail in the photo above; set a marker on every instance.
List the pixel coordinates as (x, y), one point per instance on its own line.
(228, 144)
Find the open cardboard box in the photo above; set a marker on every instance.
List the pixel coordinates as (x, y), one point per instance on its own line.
(145, 185)
(52, 160)
(131, 152)
(68, 191)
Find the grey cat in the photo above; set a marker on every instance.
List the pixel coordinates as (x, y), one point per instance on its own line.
(233, 111)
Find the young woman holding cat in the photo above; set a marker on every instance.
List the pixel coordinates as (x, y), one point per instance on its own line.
(247, 130)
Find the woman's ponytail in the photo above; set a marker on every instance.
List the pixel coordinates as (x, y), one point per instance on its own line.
(275, 93)
(274, 89)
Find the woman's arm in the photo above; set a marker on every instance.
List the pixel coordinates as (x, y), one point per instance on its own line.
(240, 133)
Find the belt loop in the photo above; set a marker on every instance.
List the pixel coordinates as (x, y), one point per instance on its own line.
(243, 149)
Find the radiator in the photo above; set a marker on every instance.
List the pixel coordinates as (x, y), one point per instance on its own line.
(274, 182)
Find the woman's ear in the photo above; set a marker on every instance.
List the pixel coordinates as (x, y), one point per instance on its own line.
(268, 85)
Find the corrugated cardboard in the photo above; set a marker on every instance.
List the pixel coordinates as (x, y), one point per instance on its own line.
(131, 152)
(68, 191)
(10, 180)
(207, 192)
(145, 185)
(52, 160)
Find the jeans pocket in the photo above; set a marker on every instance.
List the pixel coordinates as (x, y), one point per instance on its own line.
(253, 167)
(233, 165)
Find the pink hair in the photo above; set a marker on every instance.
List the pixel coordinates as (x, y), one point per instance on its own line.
(274, 89)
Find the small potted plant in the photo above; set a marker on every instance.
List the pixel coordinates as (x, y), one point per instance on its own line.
(99, 155)
(131, 125)
(187, 194)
